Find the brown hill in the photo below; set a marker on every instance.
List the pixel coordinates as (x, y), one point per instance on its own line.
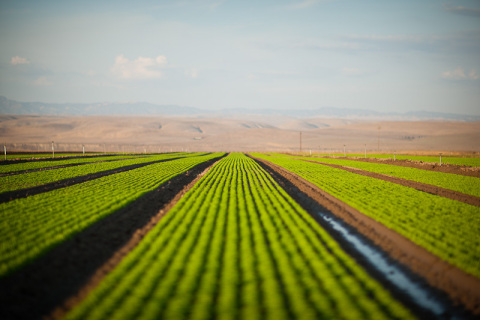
(160, 133)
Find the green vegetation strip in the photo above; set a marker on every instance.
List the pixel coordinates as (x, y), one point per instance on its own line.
(448, 228)
(463, 184)
(460, 161)
(32, 179)
(32, 225)
(39, 155)
(29, 165)
(236, 246)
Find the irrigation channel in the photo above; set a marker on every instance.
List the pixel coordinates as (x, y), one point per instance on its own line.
(411, 288)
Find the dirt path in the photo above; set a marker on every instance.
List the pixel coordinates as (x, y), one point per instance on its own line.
(462, 288)
(23, 193)
(446, 167)
(56, 281)
(439, 191)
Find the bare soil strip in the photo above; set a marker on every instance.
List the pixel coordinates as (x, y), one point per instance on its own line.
(462, 288)
(23, 193)
(446, 167)
(55, 282)
(439, 191)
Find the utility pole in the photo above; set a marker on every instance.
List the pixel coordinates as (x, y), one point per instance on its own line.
(300, 141)
(378, 141)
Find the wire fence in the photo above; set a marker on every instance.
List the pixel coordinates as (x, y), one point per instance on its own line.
(359, 150)
(108, 148)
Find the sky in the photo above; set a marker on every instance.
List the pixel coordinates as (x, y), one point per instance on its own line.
(380, 55)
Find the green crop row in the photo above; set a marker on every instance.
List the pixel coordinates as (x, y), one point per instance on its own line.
(465, 184)
(38, 155)
(46, 155)
(32, 225)
(236, 246)
(460, 161)
(32, 179)
(448, 228)
(29, 165)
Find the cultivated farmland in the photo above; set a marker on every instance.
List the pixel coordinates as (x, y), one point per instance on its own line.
(236, 236)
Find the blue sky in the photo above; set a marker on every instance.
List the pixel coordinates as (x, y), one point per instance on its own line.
(380, 55)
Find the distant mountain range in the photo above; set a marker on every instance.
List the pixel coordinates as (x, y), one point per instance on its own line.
(13, 107)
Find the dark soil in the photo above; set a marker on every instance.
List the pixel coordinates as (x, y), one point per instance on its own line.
(439, 191)
(23, 193)
(463, 289)
(56, 281)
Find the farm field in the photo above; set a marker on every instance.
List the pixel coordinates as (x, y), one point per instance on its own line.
(30, 179)
(464, 184)
(28, 156)
(51, 163)
(223, 227)
(51, 217)
(460, 161)
(234, 243)
(446, 227)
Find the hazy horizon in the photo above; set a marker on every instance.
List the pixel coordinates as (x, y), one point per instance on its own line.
(307, 54)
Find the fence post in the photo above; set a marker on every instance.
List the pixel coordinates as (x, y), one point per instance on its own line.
(440, 159)
(5, 150)
(83, 148)
(53, 151)
(365, 151)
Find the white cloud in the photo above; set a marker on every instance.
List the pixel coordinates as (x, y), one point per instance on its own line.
(18, 60)
(463, 10)
(138, 69)
(192, 73)
(42, 81)
(459, 74)
(473, 75)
